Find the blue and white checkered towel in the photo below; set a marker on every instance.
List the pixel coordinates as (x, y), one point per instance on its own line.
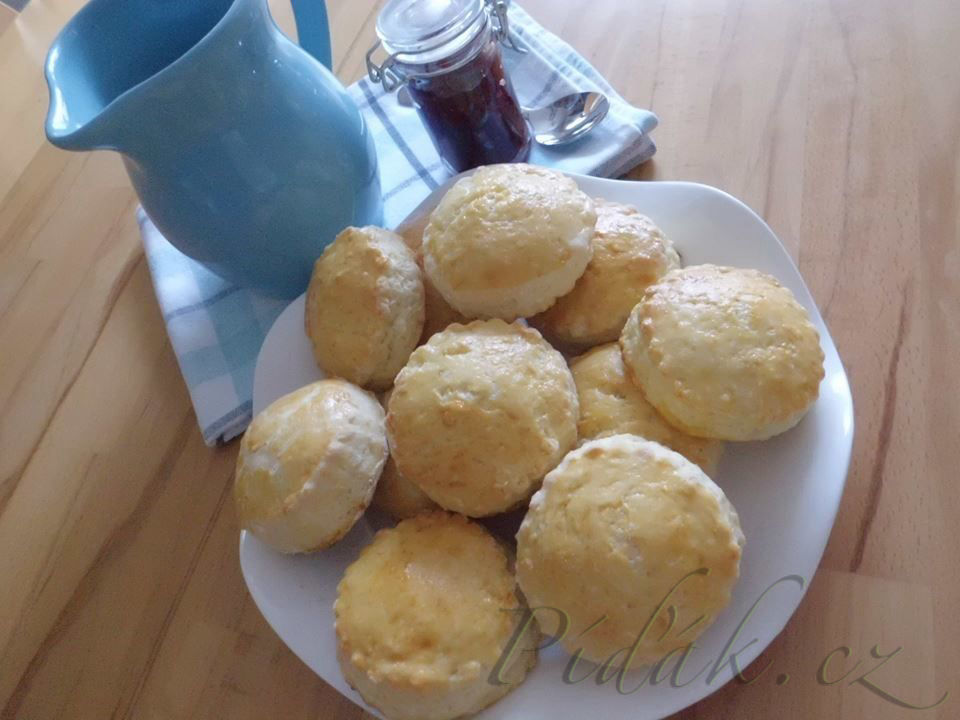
(216, 328)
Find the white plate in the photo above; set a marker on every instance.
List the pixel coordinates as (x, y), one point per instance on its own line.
(786, 490)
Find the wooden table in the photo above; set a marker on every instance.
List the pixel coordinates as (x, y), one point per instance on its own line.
(839, 121)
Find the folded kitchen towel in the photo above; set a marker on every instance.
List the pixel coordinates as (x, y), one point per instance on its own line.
(216, 328)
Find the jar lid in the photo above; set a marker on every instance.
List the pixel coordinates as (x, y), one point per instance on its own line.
(428, 29)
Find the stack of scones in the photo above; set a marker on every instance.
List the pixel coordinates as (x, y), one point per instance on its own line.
(538, 352)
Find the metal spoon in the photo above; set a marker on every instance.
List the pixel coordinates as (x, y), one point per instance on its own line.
(562, 121)
(568, 118)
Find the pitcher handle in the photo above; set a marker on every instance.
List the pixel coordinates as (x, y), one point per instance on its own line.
(313, 29)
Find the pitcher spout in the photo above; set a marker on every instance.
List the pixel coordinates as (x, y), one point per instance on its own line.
(84, 77)
(114, 53)
(74, 114)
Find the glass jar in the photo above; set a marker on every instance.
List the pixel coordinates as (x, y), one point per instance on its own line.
(447, 53)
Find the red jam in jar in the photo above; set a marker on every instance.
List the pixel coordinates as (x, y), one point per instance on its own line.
(447, 53)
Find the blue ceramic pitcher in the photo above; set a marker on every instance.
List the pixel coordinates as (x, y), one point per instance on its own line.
(245, 150)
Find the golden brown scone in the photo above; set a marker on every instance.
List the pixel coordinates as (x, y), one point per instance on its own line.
(365, 306)
(480, 414)
(616, 526)
(629, 253)
(508, 240)
(438, 313)
(424, 616)
(395, 495)
(610, 404)
(724, 352)
(308, 465)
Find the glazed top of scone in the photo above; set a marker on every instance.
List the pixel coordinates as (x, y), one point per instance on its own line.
(480, 413)
(427, 602)
(505, 225)
(615, 526)
(723, 347)
(308, 465)
(364, 308)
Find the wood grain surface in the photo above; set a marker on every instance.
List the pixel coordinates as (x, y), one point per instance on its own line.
(837, 120)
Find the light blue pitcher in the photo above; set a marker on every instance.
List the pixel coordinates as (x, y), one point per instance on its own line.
(246, 152)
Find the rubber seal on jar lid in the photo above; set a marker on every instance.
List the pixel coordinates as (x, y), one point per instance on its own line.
(422, 31)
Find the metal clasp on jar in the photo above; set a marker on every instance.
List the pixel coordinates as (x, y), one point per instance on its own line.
(383, 73)
(498, 9)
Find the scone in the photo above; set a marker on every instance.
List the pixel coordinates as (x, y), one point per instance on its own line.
(425, 619)
(724, 353)
(622, 530)
(480, 414)
(365, 306)
(629, 253)
(308, 465)
(395, 495)
(508, 240)
(437, 311)
(610, 404)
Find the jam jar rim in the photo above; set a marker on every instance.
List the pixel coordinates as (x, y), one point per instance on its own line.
(417, 68)
(438, 43)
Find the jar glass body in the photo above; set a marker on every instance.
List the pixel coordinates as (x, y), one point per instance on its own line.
(467, 103)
